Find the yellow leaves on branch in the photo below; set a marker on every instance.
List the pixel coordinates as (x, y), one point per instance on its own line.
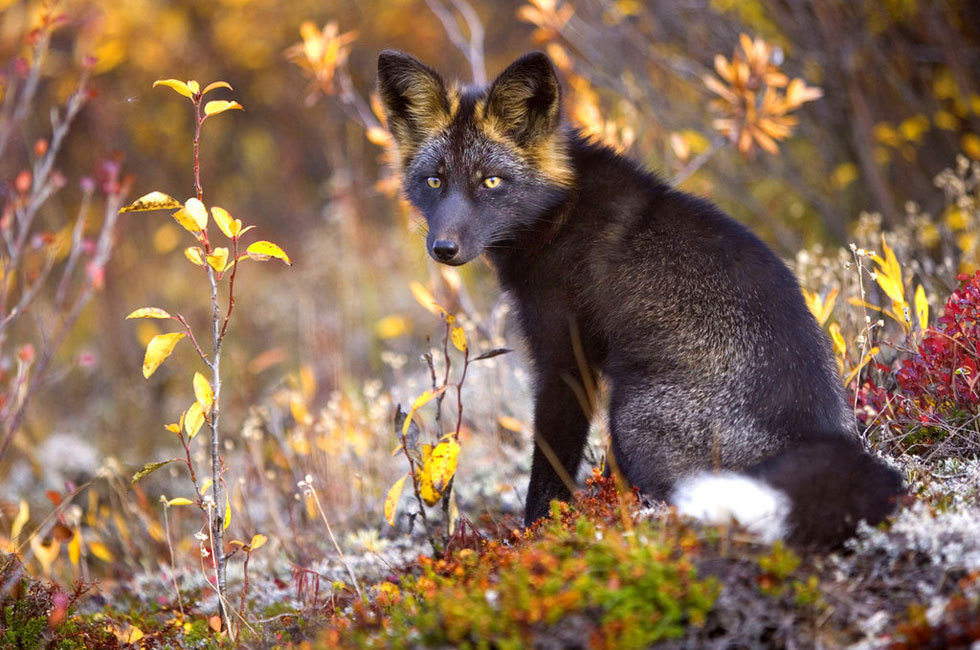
(264, 250)
(195, 254)
(220, 106)
(458, 337)
(229, 226)
(158, 350)
(193, 420)
(152, 201)
(193, 216)
(191, 89)
(179, 501)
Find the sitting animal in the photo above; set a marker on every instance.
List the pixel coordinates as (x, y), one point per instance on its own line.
(711, 356)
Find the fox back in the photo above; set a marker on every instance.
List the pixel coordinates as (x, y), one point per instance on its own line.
(724, 395)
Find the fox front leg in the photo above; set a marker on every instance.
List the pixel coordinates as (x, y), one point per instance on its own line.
(561, 427)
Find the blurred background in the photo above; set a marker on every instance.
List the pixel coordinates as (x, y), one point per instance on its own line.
(319, 353)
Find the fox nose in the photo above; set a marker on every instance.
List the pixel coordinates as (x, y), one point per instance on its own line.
(444, 250)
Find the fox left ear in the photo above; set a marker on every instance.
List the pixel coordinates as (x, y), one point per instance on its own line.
(525, 98)
(413, 97)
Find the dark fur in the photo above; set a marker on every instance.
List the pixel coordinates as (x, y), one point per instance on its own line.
(700, 330)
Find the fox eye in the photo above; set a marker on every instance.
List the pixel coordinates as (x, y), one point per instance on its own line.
(434, 182)
(492, 181)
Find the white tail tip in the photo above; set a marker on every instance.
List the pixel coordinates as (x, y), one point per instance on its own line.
(726, 497)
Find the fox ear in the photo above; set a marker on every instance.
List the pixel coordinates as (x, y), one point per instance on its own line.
(413, 97)
(525, 98)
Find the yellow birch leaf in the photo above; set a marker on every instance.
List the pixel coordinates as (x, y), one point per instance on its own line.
(195, 254)
(133, 634)
(419, 402)
(443, 463)
(20, 520)
(193, 420)
(863, 363)
(258, 541)
(224, 221)
(428, 493)
(220, 106)
(921, 307)
(197, 212)
(75, 548)
(173, 428)
(99, 550)
(202, 391)
(458, 337)
(193, 86)
(186, 221)
(263, 250)
(227, 512)
(176, 84)
(149, 312)
(391, 501)
(179, 501)
(214, 85)
(218, 259)
(158, 350)
(206, 485)
(425, 298)
(152, 201)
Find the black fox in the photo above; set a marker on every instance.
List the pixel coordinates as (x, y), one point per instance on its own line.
(712, 358)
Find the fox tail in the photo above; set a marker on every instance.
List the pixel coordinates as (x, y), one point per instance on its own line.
(812, 495)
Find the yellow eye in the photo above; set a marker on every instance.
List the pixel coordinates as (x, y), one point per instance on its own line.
(491, 181)
(434, 182)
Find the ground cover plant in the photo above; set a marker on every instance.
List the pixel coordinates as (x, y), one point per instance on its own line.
(366, 418)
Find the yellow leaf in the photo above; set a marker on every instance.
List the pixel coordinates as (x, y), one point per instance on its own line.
(840, 347)
(227, 512)
(193, 86)
(193, 420)
(149, 312)
(220, 106)
(202, 391)
(458, 337)
(263, 250)
(821, 309)
(46, 554)
(443, 463)
(425, 298)
(173, 428)
(133, 634)
(419, 402)
(75, 548)
(196, 210)
(214, 85)
(158, 350)
(179, 501)
(152, 201)
(206, 485)
(218, 259)
(258, 541)
(176, 84)
(921, 307)
(195, 254)
(20, 520)
(890, 274)
(391, 501)
(428, 493)
(186, 221)
(100, 551)
(863, 363)
(225, 222)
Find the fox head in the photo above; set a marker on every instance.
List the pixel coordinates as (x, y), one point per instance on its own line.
(480, 164)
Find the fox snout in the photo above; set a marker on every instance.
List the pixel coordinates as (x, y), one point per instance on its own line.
(444, 250)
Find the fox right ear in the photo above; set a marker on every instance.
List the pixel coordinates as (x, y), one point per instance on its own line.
(414, 100)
